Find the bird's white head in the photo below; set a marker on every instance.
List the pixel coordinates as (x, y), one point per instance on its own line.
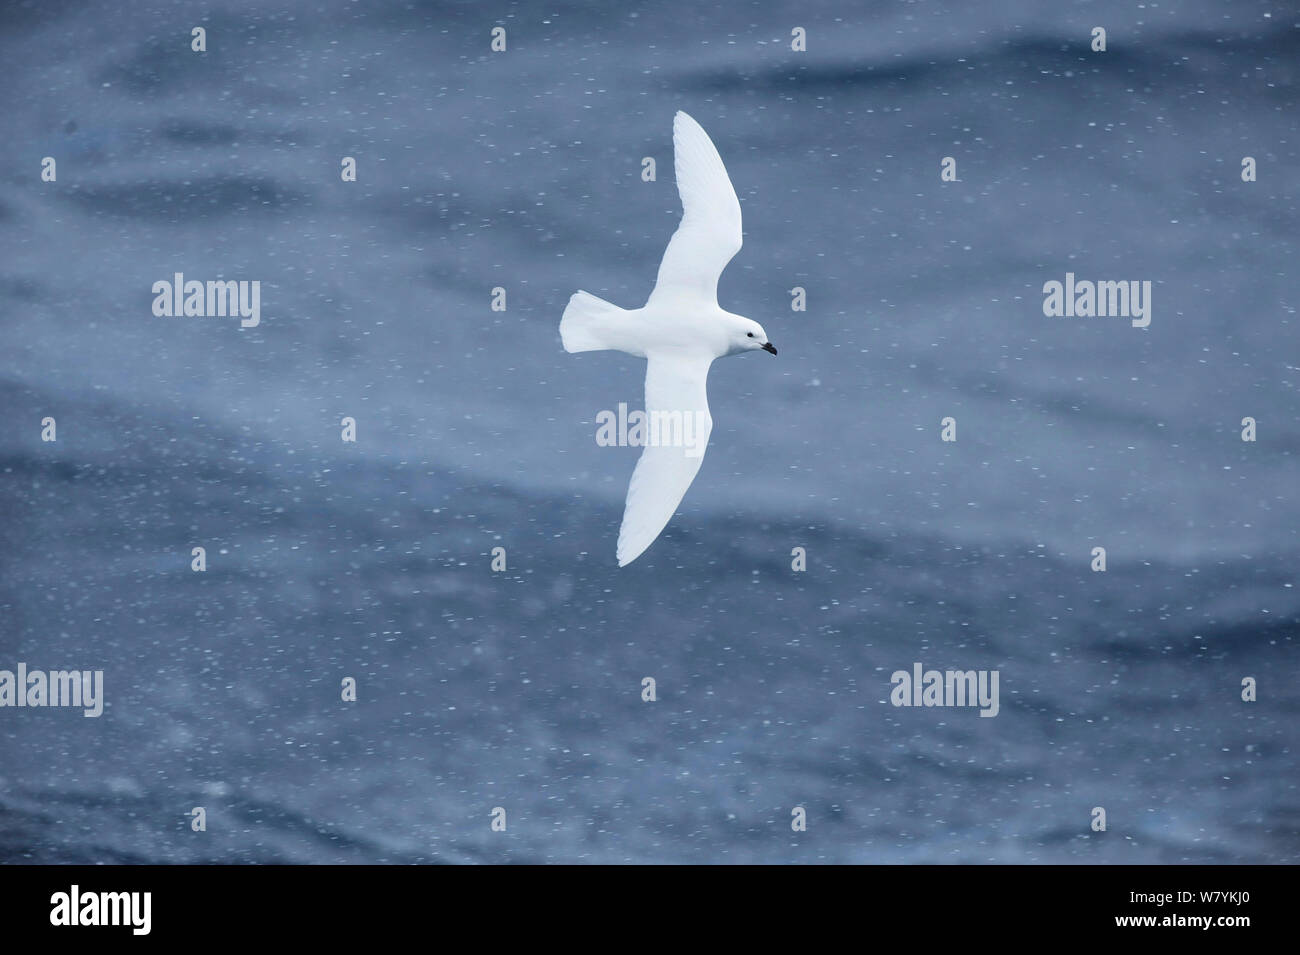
(748, 335)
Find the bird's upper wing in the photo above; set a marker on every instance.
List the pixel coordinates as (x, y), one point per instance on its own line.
(709, 234)
(675, 391)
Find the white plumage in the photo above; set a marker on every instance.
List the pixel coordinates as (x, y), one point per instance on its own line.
(679, 331)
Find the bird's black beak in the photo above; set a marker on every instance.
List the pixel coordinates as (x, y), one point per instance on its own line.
(768, 346)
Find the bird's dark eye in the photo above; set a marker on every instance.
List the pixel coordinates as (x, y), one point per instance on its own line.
(751, 334)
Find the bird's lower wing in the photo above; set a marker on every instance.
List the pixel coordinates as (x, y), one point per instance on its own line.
(710, 233)
(677, 412)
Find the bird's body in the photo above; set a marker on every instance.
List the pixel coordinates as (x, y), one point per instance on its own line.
(680, 331)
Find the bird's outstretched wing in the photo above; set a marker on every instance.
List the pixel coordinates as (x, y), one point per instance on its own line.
(709, 234)
(674, 392)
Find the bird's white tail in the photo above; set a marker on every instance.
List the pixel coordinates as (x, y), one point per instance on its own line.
(592, 324)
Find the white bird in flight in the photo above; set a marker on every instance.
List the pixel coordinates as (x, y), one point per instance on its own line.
(679, 331)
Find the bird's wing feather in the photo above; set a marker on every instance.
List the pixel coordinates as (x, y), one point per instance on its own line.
(709, 234)
(663, 473)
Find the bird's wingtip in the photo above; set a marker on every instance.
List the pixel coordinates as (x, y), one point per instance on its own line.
(625, 554)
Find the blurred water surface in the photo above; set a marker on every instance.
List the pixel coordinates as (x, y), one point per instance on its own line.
(522, 689)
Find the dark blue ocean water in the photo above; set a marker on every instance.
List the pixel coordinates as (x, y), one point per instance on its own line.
(521, 689)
